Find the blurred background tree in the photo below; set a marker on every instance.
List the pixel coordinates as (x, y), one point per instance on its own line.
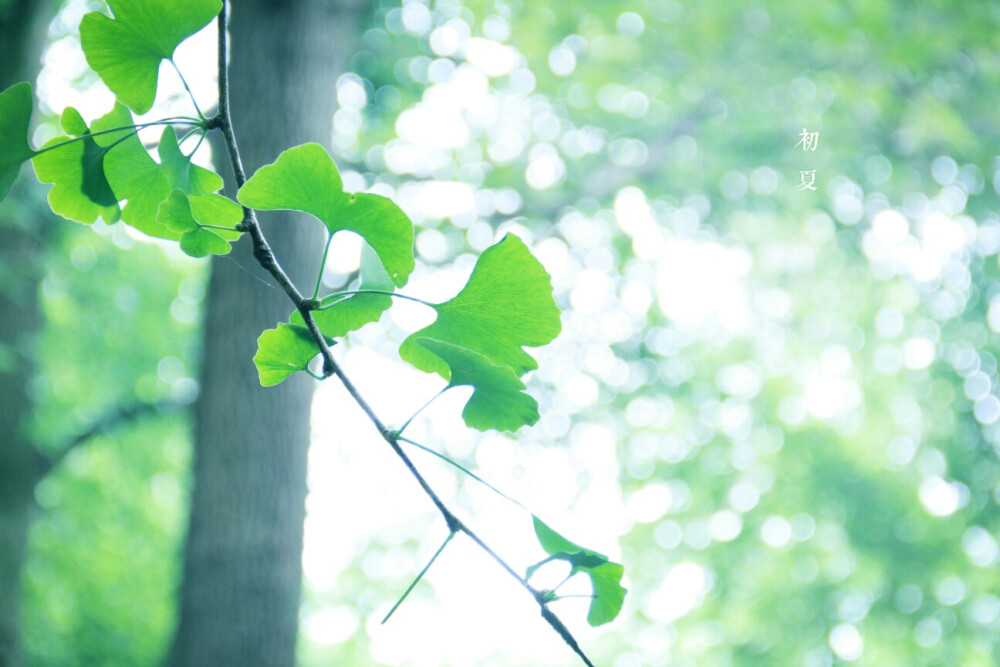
(243, 557)
(776, 406)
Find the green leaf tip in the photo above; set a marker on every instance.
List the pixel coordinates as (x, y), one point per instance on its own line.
(605, 575)
(283, 351)
(126, 50)
(498, 399)
(81, 191)
(305, 178)
(15, 117)
(506, 304)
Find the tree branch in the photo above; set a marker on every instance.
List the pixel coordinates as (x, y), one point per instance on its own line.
(265, 257)
(111, 420)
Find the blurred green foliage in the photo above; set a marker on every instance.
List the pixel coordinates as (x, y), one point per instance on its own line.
(121, 323)
(801, 385)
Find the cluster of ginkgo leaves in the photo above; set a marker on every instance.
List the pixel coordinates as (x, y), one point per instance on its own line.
(478, 336)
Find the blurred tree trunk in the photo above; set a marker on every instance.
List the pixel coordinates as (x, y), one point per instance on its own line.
(243, 563)
(22, 218)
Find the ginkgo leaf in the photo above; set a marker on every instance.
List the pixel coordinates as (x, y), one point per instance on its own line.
(356, 310)
(15, 116)
(506, 304)
(605, 575)
(126, 50)
(498, 400)
(135, 176)
(305, 178)
(283, 351)
(80, 190)
(181, 173)
(187, 215)
(609, 594)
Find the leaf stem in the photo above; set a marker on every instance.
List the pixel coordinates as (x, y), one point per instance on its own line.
(463, 469)
(322, 265)
(188, 89)
(225, 229)
(197, 145)
(572, 595)
(177, 120)
(419, 410)
(334, 295)
(560, 584)
(419, 576)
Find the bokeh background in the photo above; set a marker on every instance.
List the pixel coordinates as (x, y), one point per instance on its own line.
(776, 407)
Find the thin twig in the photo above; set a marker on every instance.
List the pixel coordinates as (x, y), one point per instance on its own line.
(265, 257)
(413, 584)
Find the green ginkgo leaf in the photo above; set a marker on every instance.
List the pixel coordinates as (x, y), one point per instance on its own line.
(506, 304)
(305, 178)
(284, 351)
(135, 176)
(188, 215)
(80, 190)
(352, 312)
(126, 50)
(181, 173)
(605, 575)
(15, 116)
(498, 400)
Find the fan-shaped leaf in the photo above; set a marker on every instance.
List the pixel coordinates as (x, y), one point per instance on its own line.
(187, 215)
(283, 351)
(15, 116)
(81, 191)
(498, 400)
(135, 176)
(605, 576)
(506, 304)
(305, 178)
(126, 50)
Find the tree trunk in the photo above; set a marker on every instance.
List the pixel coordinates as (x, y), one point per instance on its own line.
(21, 221)
(243, 563)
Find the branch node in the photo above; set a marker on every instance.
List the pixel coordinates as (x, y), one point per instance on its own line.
(454, 525)
(264, 255)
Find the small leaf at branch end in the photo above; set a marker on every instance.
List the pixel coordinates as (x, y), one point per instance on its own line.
(354, 311)
(506, 304)
(284, 351)
(498, 401)
(186, 215)
(80, 190)
(15, 117)
(126, 50)
(305, 178)
(605, 575)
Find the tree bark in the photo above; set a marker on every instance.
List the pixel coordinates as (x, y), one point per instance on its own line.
(21, 225)
(243, 562)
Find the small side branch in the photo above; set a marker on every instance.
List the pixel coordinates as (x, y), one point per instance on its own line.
(420, 576)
